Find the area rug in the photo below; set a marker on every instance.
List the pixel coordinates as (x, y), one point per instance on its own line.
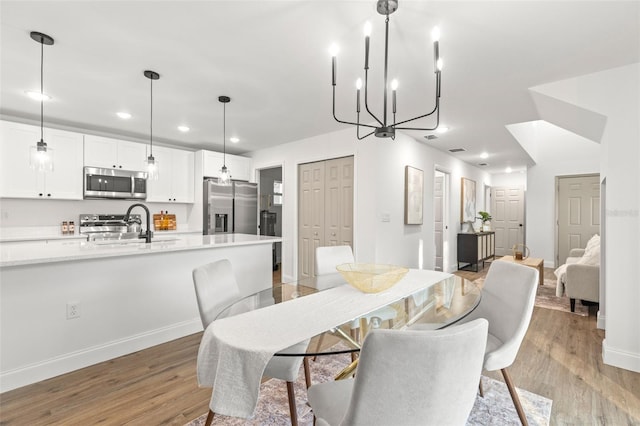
(496, 408)
(546, 298)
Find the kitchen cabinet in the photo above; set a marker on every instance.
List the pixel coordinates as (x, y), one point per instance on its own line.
(239, 167)
(18, 180)
(175, 176)
(114, 154)
(476, 248)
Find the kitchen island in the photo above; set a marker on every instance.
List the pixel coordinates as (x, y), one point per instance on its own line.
(69, 304)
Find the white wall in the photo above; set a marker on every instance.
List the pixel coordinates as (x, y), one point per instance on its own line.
(378, 190)
(615, 93)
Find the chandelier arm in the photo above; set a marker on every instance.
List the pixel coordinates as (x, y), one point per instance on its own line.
(418, 128)
(436, 109)
(342, 121)
(365, 136)
(366, 90)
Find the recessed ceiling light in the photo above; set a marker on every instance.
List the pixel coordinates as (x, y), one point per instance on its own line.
(183, 128)
(38, 96)
(442, 129)
(483, 164)
(484, 155)
(234, 140)
(431, 137)
(123, 115)
(457, 150)
(508, 170)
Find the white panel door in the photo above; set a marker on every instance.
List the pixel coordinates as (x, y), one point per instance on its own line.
(507, 211)
(438, 214)
(578, 213)
(310, 216)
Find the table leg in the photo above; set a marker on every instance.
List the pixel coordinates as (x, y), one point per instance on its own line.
(541, 273)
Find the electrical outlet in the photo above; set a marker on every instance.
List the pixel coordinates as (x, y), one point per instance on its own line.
(73, 310)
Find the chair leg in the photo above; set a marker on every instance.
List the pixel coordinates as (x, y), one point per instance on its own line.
(307, 371)
(318, 346)
(572, 302)
(209, 418)
(355, 335)
(480, 388)
(514, 397)
(292, 404)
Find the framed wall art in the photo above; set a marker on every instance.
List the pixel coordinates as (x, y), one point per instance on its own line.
(468, 200)
(413, 195)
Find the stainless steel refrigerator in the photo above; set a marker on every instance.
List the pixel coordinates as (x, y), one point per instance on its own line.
(230, 208)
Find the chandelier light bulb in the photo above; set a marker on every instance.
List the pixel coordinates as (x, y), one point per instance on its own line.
(435, 34)
(439, 64)
(367, 29)
(359, 84)
(394, 84)
(234, 139)
(333, 50)
(38, 96)
(484, 155)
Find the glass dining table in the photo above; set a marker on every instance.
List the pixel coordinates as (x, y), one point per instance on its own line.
(435, 307)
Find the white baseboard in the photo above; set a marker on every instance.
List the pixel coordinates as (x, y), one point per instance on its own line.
(621, 359)
(72, 361)
(601, 321)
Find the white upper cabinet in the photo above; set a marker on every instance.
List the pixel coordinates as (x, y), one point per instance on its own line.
(18, 180)
(175, 176)
(114, 154)
(239, 167)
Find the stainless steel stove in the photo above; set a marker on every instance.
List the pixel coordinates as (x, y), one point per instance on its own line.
(107, 226)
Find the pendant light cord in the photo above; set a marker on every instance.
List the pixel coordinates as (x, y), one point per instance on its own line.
(151, 122)
(224, 134)
(41, 89)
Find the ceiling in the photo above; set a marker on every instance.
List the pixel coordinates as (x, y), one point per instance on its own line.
(271, 58)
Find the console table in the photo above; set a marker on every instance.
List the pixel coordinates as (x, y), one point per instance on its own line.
(474, 248)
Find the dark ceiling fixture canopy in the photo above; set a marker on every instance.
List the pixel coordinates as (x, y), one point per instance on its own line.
(384, 129)
(41, 156)
(225, 174)
(152, 164)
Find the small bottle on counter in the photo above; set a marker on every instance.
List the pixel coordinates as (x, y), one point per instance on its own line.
(165, 221)
(65, 228)
(72, 228)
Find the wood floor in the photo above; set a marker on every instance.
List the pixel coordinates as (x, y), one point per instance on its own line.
(560, 359)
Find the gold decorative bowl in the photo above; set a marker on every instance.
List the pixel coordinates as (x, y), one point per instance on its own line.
(371, 277)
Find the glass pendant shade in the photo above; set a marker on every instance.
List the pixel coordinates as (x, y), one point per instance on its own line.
(152, 168)
(41, 157)
(225, 177)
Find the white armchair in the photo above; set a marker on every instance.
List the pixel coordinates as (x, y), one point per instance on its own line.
(579, 277)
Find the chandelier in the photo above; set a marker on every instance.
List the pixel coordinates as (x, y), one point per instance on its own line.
(385, 129)
(151, 163)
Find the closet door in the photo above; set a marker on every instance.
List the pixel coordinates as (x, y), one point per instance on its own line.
(311, 189)
(338, 202)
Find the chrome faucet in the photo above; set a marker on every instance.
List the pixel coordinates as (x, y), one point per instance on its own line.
(148, 234)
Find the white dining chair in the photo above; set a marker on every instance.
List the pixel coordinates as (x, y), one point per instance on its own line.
(508, 296)
(407, 377)
(216, 288)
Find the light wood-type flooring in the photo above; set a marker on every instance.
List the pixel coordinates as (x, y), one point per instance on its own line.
(560, 358)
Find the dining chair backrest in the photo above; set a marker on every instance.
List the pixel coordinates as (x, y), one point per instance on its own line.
(216, 288)
(508, 297)
(418, 377)
(327, 258)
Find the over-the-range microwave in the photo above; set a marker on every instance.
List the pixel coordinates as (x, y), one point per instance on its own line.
(114, 183)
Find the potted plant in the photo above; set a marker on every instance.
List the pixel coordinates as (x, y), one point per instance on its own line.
(484, 217)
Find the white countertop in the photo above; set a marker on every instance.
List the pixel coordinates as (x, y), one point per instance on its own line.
(15, 254)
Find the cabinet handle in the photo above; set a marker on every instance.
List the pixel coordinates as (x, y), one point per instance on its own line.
(41, 194)
(48, 195)
(114, 166)
(120, 166)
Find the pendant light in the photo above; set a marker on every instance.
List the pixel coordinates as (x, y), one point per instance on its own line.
(152, 164)
(225, 175)
(41, 156)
